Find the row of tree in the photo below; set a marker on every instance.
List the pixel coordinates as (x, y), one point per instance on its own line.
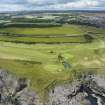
(39, 25)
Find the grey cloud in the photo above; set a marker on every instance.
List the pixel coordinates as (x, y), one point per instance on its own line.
(51, 4)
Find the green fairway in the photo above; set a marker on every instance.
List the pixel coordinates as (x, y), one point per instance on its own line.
(40, 62)
(78, 39)
(37, 63)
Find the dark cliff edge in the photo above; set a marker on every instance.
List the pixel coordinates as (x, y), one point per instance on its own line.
(89, 90)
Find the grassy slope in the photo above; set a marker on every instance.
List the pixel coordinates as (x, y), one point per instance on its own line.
(17, 57)
(43, 40)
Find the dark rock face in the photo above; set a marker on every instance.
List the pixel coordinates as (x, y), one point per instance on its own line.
(14, 91)
(88, 91)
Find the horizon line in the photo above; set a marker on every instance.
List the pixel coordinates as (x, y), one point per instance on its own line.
(78, 10)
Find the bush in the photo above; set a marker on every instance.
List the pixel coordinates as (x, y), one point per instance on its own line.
(36, 20)
(88, 38)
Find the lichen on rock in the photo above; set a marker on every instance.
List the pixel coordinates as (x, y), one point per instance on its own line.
(15, 91)
(90, 90)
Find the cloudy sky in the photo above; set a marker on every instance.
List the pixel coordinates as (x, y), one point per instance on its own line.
(20, 5)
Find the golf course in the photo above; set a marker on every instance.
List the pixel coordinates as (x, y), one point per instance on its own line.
(45, 60)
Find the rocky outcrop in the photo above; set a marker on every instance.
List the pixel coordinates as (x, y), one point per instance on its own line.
(14, 91)
(90, 90)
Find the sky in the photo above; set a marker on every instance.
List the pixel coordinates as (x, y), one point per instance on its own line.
(21, 5)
